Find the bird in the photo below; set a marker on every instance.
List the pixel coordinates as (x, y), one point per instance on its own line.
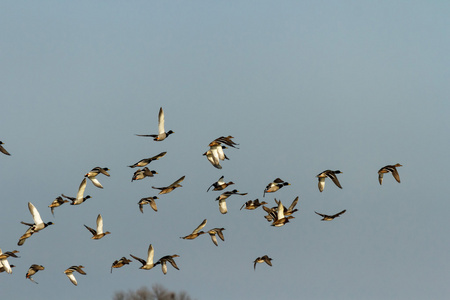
(142, 173)
(226, 140)
(38, 223)
(162, 134)
(330, 174)
(148, 264)
(33, 270)
(289, 211)
(262, 259)
(213, 158)
(275, 186)
(168, 258)
(387, 169)
(330, 217)
(120, 263)
(4, 263)
(148, 200)
(57, 202)
(145, 161)
(92, 175)
(253, 204)
(79, 198)
(69, 273)
(220, 184)
(3, 150)
(213, 232)
(9, 254)
(168, 189)
(98, 234)
(2, 268)
(222, 199)
(281, 218)
(196, 232)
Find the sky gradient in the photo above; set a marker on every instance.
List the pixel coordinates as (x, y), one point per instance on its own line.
(303, 87)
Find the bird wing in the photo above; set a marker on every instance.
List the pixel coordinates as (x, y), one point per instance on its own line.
(223, 206)
(322, 215)
(156, 157)
(321, 183)
(34, 212)
(196, 230)
(339, 213)
(99, 224)
(335, 180)
(280, 211)
(80, 194)
(91, 230)
(178, 181)
(395, 174)
(150, 254)
(293, 204)
(161, 121)
(138, 259)
(213, 238)
(95, 181)
(72, 278)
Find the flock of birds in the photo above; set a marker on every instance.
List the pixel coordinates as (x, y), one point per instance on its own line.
(278, 215)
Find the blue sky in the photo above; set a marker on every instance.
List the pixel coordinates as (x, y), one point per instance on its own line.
(302, 86)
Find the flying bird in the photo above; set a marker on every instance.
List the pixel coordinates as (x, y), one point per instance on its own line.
(98, 234)
(3, 150)
(33, 270)
(223, 197)
(168, 258)
(275, 186)
(252, 204)
(69, 273)
(226, 140)
(92, 175)
(120, 263)
(38, 224)
(220, 184)
(330, 174)
(168, 189)
(196, 232)
(213, 232)
(262, 259)
(148, 200)
(280, 218)
(162, 134)
(79, 198)
(387, 169)
(142, 173)
(330, 217)
(4, 262)
(56, 203)
(146, 161)
(148, 264)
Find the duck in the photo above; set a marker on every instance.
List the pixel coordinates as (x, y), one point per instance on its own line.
(33, 270)
(38, 224)
(330, 174)
(222, 199)
(387, 169)
(148, 200)
(98, 234)
(145, 161)
(56, 203)
(9, 254)
(120, 263)
(4, 264)
(168, 189)
(213, 232)
(281, 219)
(253, 204)
(69, 273)
(3, 150)
(148, 264)
(289, 211)
(213, 159)
(162, 134)
(220, 184)
(2, 268)
(225, 140)
(196, 232)
(262, 259)
(142, 173)
(330, 217)
(275, 186)
(168, 258)
(92, 175)
(79, 198)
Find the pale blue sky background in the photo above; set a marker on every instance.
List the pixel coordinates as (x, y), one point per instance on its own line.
(302, 86)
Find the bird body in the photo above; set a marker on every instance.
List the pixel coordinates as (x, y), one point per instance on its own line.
(33, 270)
(145, 161)
(120, 263)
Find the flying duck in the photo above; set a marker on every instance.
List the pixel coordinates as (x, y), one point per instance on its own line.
(226, 140)
(148, 200)
(213, 232)
(168, 258)
(222, 199)
(330, 174)
(147, 265)
(162, 134)
(275, 186)
(57, 202)
(252, 204)
(120, 263)
(33, 270)
(4, 262)
(330, 217)
(262, 259)
(146, 161)
(69, 273)
(387, 169)
(220, 185)
(92, 175)
(142, 173)
(3, 150)
(196, 232)
(98, 234)
(79, 198)
(168, 189)
(281, 219)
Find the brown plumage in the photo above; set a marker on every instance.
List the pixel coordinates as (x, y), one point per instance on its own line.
(387, 169)
(196, 232)
(168, 189)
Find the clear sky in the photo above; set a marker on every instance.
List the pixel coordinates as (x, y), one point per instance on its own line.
(303, 86)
